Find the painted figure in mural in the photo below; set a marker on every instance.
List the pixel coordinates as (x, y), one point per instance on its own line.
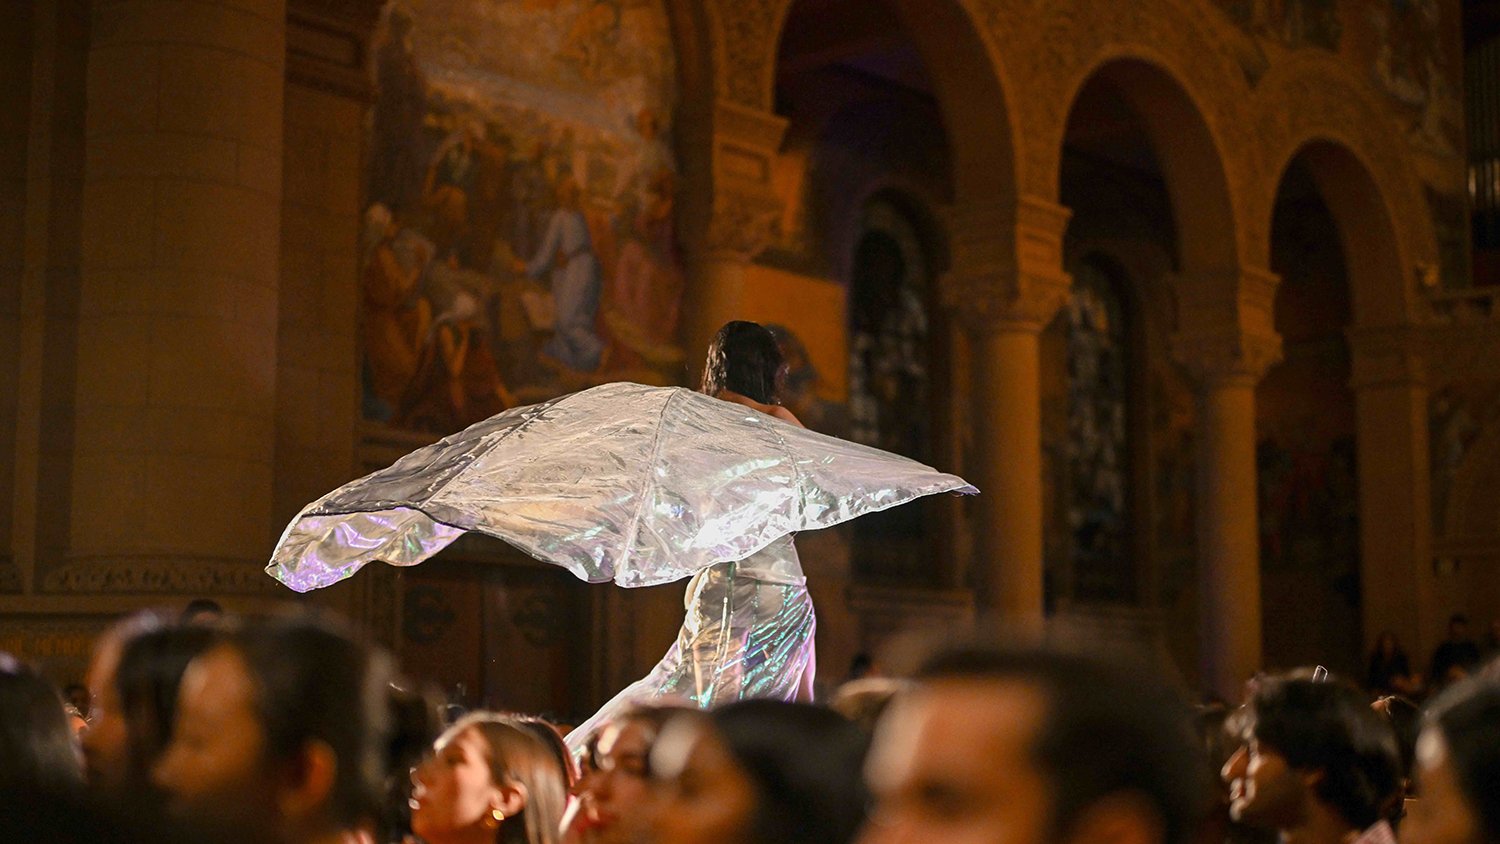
(568, 251)
(457, 382)
(397, 317)
(646, 292)
(450, 185)
(749, 627)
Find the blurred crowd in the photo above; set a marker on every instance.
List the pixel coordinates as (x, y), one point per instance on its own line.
(200, 727)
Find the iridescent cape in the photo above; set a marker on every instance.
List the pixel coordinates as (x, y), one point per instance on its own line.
(639, 485)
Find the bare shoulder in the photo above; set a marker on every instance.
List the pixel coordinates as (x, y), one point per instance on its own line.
(775, 410)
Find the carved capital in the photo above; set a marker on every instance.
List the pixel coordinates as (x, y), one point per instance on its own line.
(744, 222)
(1007, 265)
(1387, 356)
(746, 210)
(328, 44)
(1213, 358)
(160, 574)
(1226, 325)
(749, 28)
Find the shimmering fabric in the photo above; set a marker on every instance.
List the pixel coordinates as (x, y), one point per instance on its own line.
(640, 485)
(742, 638)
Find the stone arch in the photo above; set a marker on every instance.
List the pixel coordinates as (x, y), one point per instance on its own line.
(916, 204)
(960, 56)
(1074, 39)
(1188, 151)
(1314, 110)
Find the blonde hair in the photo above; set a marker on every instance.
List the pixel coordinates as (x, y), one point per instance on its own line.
(519, 756)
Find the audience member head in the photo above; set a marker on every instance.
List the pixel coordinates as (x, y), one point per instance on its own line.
(759, 772)
(36, 740)
(1405, 719)
(201, 611)
(1035, 746)
(864, 701)
(78, 695)
(282, 733)
(1458, 769)
(489, 780)
(1312, 746)
(132, 679)
(549, 735)
(416, 722)
(615, 787)
(743, 358)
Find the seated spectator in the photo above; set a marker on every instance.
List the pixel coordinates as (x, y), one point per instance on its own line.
(134, 674)
(1316, 763)
(1458, 769)
(489, 780)
(615, 790)
(759, 772)
(1390, 672)
(37, 753)
(282, 736)
(1456, 657)
(994, 745)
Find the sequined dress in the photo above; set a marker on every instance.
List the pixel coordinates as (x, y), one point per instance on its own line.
(748, 633)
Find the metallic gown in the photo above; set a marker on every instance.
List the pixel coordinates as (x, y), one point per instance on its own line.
(748, 633)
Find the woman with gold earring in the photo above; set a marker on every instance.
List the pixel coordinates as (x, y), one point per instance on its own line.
(489, 782)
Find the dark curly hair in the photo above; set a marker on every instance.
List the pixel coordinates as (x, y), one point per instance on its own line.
(744, 358)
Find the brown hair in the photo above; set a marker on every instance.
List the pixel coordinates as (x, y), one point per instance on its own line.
(516, 755)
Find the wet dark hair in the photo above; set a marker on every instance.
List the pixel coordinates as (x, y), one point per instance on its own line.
(1328, 726)
(36, 740)
(315, 682)
(1110, 727)
(804, 762)
(744, 358)
(147, 677)
(1468, 717)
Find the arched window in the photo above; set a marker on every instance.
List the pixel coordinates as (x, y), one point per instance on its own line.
(890, 401)
(1089, 545)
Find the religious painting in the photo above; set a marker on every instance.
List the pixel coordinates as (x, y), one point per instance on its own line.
(518, 237)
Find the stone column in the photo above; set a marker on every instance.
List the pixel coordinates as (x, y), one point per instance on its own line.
(1395, 503)
(176, 382)
(1226, 343)
(744, 216)
(1006, 284)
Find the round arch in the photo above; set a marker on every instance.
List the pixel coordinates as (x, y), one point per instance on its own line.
(1187, 150)
(1335, 127)
(958, 54)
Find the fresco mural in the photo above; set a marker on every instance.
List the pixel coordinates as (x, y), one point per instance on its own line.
(519, 241)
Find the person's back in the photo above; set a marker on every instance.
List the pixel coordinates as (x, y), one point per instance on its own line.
(1456, 656)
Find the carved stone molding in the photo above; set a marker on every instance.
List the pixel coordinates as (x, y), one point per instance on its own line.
(1007, 265)
(1226, 325)
(750, 37)
(327, 45)
(1226, 357)
(1387, 356)
(744, 223)
(160, 574)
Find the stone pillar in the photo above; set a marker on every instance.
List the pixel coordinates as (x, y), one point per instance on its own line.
(745, 215)
(1395, 503)
(1006, 284)
(1226, 342)
(175, 395)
